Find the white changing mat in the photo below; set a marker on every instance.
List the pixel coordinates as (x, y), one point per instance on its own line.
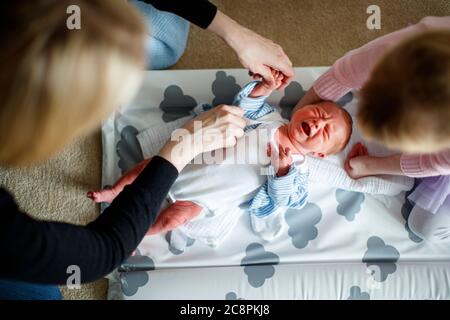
(328, 171)
(342, 244)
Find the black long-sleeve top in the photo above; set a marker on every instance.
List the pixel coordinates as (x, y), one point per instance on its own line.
(199, 12)
(41, 251)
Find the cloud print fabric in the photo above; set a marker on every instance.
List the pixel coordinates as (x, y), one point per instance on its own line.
(341, 238)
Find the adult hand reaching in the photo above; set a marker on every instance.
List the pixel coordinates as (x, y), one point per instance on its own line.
(217, 128)
(256, 53)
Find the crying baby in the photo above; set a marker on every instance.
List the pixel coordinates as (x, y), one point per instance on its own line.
(207, 199)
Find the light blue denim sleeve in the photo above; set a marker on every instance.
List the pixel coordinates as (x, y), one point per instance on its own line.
(167, 38)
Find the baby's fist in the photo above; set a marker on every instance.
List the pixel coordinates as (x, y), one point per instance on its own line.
(282, 161)
(264, 89)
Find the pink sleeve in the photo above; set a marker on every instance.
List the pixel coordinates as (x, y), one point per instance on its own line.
(426, 165)
(352, 70)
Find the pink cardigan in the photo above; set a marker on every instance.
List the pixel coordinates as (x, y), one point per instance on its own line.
(352, 71)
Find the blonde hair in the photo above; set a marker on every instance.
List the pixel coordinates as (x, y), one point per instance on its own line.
(406, 102)
(57, 84)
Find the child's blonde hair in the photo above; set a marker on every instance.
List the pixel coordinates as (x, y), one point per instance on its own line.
(56, 83)
(406, 102)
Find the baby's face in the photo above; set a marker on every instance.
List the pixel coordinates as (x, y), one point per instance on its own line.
(319, 128)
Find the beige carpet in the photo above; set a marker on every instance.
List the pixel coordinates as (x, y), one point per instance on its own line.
(312, 32)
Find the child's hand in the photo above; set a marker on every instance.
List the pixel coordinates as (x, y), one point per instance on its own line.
(264, 89)
(282, 161)
(356, 164)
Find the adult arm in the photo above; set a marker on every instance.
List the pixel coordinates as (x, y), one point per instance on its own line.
(255, 52)
(41, 251)
(360, 164)
(353, 69)
(426, 165)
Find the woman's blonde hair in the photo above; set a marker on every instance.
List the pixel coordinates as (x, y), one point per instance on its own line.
(57, 84)
(406, 102)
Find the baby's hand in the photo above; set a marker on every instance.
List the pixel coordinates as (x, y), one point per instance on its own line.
(264, 89)
(282, 161)
(356, 163)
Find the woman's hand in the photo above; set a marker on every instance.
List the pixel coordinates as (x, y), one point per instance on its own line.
(360, 164)
(217, 128)
(255, 52)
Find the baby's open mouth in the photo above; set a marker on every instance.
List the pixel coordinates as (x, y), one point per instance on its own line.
(306, 128)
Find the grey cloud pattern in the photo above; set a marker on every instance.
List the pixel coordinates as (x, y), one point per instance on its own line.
(232, 296)
(176, 104)
(176, 251)
(259, 264)
(292, 94)
(132, 281)
(133, 273)
(345, 99)
(128, 149)
(224, 88)
(357, 294)
(302, 224)
(380, 258)
(349, 203)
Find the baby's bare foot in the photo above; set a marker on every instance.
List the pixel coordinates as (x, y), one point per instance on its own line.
(105, 195)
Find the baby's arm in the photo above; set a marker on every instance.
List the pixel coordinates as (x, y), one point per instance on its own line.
(281, 190)
(288, 187)
(253, 96)
(290, 190)
(108, 195)
(254, 107)
(265, 89)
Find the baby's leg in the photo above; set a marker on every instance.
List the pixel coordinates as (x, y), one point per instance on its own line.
(108, 195)
(268, 227)
(175, 215)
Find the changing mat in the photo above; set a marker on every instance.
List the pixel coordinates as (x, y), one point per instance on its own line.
(343, 244)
